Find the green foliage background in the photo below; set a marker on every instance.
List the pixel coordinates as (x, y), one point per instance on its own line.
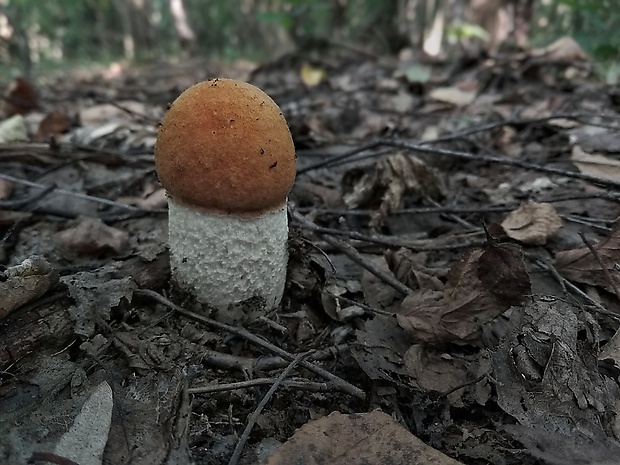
(92, 30)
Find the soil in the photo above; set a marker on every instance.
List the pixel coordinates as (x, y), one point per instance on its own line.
(454, 251)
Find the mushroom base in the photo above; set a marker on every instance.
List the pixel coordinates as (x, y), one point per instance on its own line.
(224, 260)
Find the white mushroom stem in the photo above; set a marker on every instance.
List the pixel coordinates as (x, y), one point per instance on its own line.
(225, 259)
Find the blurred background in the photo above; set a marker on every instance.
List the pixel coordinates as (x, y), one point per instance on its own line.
(36, 36)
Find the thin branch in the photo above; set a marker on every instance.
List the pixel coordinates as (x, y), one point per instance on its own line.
(568, 286)
(77, 195)
(234, 459)
(19, 203)
(338, 382)
(338, 158)
(357, 257)
(390, 241)
(291, 384)
(413, 147)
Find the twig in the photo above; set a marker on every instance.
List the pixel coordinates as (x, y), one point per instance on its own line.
(368, 308)
(568, 286)
(234, 459)
(466, 224)
(50, 458)
(413, 147)
(224, 361)
(358, 258)
(611, 196)
(292, 384)
(517, 122)
(591, 223)
(464, 385)
(340, 157)
(374, 239)
(18, 203)
(421, 147)
(410, 211)
(338, 382)
(77, 195)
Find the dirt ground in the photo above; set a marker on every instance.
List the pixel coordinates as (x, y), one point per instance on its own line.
(454, 251)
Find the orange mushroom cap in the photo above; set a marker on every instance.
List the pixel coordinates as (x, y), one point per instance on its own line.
(224, 146)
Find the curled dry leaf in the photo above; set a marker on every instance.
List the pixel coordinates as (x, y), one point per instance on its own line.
(25, 282)
(55, 122)
(581, 266)
(329, 196)
(95, 294)
(595, 164)
(388, 181)
(408, 267)
(356, 439)
(378, 349)
(480, 287)
(93, 237)
(20, 97)
(533, 223)
(434, 370)
(563, 50)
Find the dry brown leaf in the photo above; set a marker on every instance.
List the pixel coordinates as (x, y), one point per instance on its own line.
(25, 282)
(533, 223)
(610, 352)
(55, 122)
(581, 266)
(563, 50)
(310, 75)
(433, 372)
(10, 218)
(453, 95)
(379, 348)
(595, 164)
(481, 286)
(376, 293)
(6, 189)
(93, 237)
(104, 113)
(20, 97)
(329, 196)
(95, 293)
(409, 268)
(388, 181)
(545, 370)
(356, 439)
(436, 370)
(151, 199)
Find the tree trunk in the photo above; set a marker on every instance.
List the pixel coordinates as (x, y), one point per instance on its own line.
(138, 33)
(18, 43)
(182, 27)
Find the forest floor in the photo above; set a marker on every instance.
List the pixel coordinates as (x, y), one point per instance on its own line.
(452, 293)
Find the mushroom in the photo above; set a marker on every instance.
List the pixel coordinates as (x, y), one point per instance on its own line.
(226, 157)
